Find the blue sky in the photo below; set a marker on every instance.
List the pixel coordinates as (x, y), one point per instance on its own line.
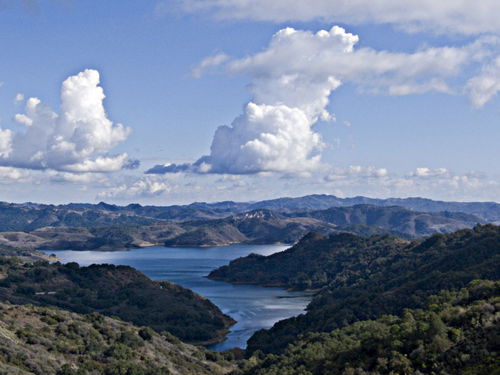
(412, 107)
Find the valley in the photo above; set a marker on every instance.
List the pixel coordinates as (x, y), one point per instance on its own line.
(348, 273)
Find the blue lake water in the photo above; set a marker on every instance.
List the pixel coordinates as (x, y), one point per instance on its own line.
(253, 307)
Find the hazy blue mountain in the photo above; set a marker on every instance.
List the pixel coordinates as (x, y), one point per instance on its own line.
(395, 219)
(262, 226)
(489, 211)
(31, 216)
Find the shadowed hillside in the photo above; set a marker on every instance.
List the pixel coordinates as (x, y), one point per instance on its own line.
(457, 333)
(363, 278)
(114, 291)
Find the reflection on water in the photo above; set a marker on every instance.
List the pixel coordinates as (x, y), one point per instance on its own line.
(253, 307)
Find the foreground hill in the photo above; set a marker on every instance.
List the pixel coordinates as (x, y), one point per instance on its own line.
(257, 227)
(119, 291)
(457, 333)
(364, 278)
(49, 341)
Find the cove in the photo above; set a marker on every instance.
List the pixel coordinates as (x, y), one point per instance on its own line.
(253, 307)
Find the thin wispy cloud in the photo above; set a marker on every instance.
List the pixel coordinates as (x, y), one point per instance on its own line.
(460, 16)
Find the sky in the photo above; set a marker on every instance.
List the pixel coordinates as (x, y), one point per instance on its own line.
(170, 102)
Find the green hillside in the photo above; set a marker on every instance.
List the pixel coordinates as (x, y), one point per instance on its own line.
(49, 341)
(364, 278)
(457, 333)
(119, 291)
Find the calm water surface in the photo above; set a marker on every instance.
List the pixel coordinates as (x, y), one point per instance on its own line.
(253, 307)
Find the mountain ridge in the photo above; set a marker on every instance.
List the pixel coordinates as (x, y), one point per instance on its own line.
(39, 215)
(259, 226)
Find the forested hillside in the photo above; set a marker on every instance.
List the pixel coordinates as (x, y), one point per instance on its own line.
(384, 305)
(364, 278)
(49, 341)
(314, 262)
(119, 291)
(457, 333)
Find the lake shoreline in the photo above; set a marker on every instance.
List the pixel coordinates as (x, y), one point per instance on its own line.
(252, 307)
(142, 246)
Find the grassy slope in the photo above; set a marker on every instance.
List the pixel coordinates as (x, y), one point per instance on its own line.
(49, 341)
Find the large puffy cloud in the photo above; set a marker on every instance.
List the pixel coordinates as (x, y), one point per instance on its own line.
(265, 138)
(291, 83)
(76, 140)
(458, 16)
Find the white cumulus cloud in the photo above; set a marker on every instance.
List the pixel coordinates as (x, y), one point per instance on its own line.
(439, 183)
(291, 83)
(76, 140)
(266, 138)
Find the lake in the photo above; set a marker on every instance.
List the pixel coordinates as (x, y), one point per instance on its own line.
(253, 307)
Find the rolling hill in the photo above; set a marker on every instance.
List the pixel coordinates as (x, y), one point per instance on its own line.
(119, 291)
(363, 278)
(50, 341)
(261, 226)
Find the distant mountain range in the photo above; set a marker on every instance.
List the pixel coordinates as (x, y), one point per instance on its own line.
(31, 216)
(117, 230)
(489, 211)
